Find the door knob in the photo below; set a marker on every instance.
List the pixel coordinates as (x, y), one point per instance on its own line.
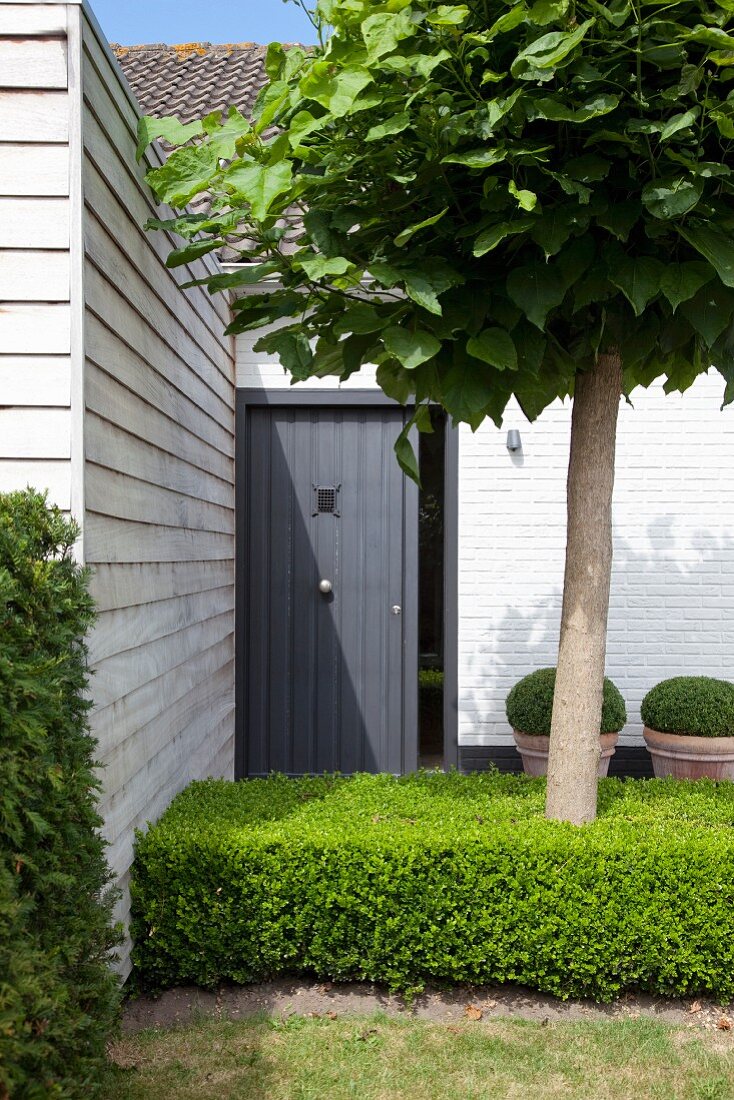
(325, 586)
(396, 609)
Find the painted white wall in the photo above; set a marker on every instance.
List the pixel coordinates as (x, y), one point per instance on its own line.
(672, 595)
(39, 195)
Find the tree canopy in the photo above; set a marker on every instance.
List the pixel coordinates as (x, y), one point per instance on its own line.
(491, 194)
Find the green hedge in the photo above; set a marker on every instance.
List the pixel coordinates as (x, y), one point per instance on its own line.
(529, 704)
(440, 877)
(697, 705)
(58, 997)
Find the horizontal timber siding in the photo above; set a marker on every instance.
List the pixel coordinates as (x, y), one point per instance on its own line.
(36, 110)
(158, 485)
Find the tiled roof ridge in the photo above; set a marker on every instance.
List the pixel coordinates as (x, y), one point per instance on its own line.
(182, 50)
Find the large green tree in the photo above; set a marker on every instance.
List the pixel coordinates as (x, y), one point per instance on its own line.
(497, 199)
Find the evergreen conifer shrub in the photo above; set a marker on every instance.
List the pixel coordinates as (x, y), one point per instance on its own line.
(58, 995)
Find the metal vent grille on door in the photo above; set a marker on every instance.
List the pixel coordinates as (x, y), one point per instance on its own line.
(325, 500)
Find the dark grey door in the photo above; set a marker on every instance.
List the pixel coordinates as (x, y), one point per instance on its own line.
(330, 593)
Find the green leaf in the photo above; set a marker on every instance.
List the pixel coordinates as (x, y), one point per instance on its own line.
(448, 15)
(679, 282)
(476, 158)
(320, 267)
(186, 173)
(394, 125)
(710, 311)
(588, 168)
(188, 225)
(638, 278)
(575, 259)
(359, 317)
(494, 346)
(715, 246)
(724, 119)
(526, 200)
(268, 103)
(335, 91)
(395, 381)
(467, 391)
(488, 239)
(667, 199)
(614, 18)
(556, 111)
(383, 32)
(620, 218)
(679, 122)
(536, 289)
(193, 251)
(711, 36)
(259, 184)
(403, 237)
(301, 125)
(406, 455)
(274, 60)
(411, 348)
(422, 291)
(507, 22)
(292, 348)
(548, 11)
(552, 230)
(168, 128)
(548, 51)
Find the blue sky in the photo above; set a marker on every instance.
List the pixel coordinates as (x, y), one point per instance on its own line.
(132, 22)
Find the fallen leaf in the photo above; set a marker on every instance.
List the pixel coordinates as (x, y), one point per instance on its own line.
(724, 1024)
(324, 987)
(472, 1012)
(454, 1030)
(695, 1007)
(332, 1015)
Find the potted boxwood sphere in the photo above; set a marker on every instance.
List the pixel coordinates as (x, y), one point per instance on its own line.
(529, 706)
(689, 727)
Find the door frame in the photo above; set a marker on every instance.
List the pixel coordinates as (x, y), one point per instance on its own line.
(342, 398)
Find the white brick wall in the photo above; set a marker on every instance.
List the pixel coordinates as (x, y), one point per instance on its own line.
(672, 606)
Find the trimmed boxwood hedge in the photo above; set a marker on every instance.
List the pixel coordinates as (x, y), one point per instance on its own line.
(696, 705)
(440, 877)
(529, 704)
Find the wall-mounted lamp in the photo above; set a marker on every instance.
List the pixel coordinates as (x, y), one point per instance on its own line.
(514, 443)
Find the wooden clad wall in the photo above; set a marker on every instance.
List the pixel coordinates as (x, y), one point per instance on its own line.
(37, 87)
(158, 483)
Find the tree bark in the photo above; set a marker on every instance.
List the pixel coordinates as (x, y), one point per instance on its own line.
(577, 702)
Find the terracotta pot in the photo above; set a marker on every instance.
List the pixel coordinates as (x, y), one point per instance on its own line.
(687, 757)
(533, 749)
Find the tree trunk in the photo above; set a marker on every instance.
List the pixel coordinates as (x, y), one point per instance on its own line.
(577, 702)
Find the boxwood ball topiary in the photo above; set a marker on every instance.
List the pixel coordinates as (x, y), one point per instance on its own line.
(700, 706)
(530, 704)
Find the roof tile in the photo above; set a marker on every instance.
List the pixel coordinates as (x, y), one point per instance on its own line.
(192, 79)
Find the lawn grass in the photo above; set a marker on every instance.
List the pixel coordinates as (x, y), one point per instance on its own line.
(378, 1058)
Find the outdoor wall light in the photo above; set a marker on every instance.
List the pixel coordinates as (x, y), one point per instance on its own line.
(514, 443)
